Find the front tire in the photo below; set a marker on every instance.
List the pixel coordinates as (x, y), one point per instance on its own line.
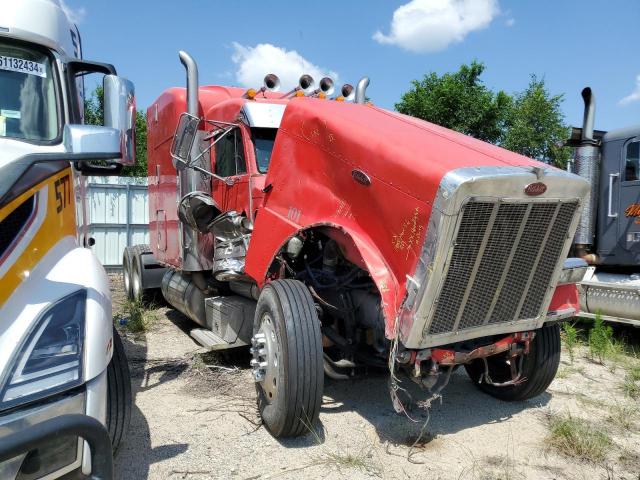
(118, 394)
(539, 368)
(287, 358)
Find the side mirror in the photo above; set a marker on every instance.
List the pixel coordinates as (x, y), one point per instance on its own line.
(184, 137)
(90, 144)
(92, 141)
(120, 114)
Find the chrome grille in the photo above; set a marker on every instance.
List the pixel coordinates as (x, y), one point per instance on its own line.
(502, 262)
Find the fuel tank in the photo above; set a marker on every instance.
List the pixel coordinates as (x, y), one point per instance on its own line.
(182, 294)
(615, 296)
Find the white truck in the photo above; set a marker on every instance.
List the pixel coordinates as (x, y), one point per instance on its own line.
(59, 353)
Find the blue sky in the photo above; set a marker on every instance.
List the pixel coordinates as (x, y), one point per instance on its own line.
(570, 43)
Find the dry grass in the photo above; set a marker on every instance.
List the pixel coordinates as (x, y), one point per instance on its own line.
(633, 372)
(362, 460)
(565, 372)
(622, 416)
(210, 373)
(630, 388)
(577, 438)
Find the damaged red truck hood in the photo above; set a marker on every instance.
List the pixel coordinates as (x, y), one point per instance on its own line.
(369, 176)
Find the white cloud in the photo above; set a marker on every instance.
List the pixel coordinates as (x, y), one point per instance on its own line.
(633, 96)
(74, 15)
(253, 63)
(433, 25)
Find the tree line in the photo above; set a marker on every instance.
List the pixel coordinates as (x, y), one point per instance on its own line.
(529, 122)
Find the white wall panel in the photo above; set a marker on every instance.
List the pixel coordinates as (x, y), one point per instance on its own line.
(118, 215)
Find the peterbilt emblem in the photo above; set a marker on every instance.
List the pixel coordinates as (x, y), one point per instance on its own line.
(534, 189)
(361, 177)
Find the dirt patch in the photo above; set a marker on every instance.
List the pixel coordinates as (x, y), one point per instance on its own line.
(195, 418)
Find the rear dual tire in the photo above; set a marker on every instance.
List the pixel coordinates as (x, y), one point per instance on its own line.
(132, 269)
(539, 368)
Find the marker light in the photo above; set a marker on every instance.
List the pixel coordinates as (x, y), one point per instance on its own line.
(251, 94)
(299, 93)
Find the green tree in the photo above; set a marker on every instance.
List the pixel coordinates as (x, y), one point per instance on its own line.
(535, 125)
(529, 122)
(459, 101)
(94, 115)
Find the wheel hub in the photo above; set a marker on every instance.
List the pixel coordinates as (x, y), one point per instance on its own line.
(265, 352)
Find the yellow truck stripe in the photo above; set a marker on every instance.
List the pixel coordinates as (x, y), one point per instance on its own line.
(59, 222)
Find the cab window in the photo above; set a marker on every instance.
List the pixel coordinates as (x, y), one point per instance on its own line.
(263, 140)
(230, 155)
(28, 104)
(632, 162)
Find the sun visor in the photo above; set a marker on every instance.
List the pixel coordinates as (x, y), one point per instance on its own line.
(262, 115)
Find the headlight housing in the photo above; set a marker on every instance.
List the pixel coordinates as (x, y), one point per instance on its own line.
(49, 361)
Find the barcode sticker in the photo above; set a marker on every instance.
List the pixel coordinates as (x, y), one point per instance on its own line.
(21, 65)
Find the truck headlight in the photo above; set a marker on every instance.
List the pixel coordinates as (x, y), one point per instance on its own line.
(50, 359)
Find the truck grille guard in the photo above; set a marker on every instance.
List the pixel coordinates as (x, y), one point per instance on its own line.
(492, 255)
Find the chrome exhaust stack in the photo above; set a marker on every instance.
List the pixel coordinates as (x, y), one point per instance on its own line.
(193, 243)
(192, 82)
(361, 90)
(587, 165)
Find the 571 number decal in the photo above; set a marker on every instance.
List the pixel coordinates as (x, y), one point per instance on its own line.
(63, 193)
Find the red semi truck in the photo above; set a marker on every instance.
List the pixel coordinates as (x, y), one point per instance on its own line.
(333, 235)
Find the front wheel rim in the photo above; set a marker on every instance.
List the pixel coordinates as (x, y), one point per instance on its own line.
(266, 356)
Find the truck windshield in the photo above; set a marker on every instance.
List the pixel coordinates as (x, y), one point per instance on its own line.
(28, 108)
(263, 139)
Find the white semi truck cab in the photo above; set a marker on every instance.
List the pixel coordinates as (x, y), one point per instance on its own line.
(59, 353)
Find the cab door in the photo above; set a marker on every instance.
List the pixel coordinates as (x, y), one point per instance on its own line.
(629, 201)
(230, 164)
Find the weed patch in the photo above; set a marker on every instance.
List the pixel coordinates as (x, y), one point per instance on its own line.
(577, 438)
(569, 337)
(630, 388)
(134, 316)
(600, 340)
(634, 373)
(622, 416)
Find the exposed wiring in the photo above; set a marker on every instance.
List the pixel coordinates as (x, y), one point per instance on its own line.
(394, 381)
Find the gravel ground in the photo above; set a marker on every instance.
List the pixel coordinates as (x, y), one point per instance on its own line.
(195, 418)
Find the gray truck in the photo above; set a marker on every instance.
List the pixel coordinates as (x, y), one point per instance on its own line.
(608, 235)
